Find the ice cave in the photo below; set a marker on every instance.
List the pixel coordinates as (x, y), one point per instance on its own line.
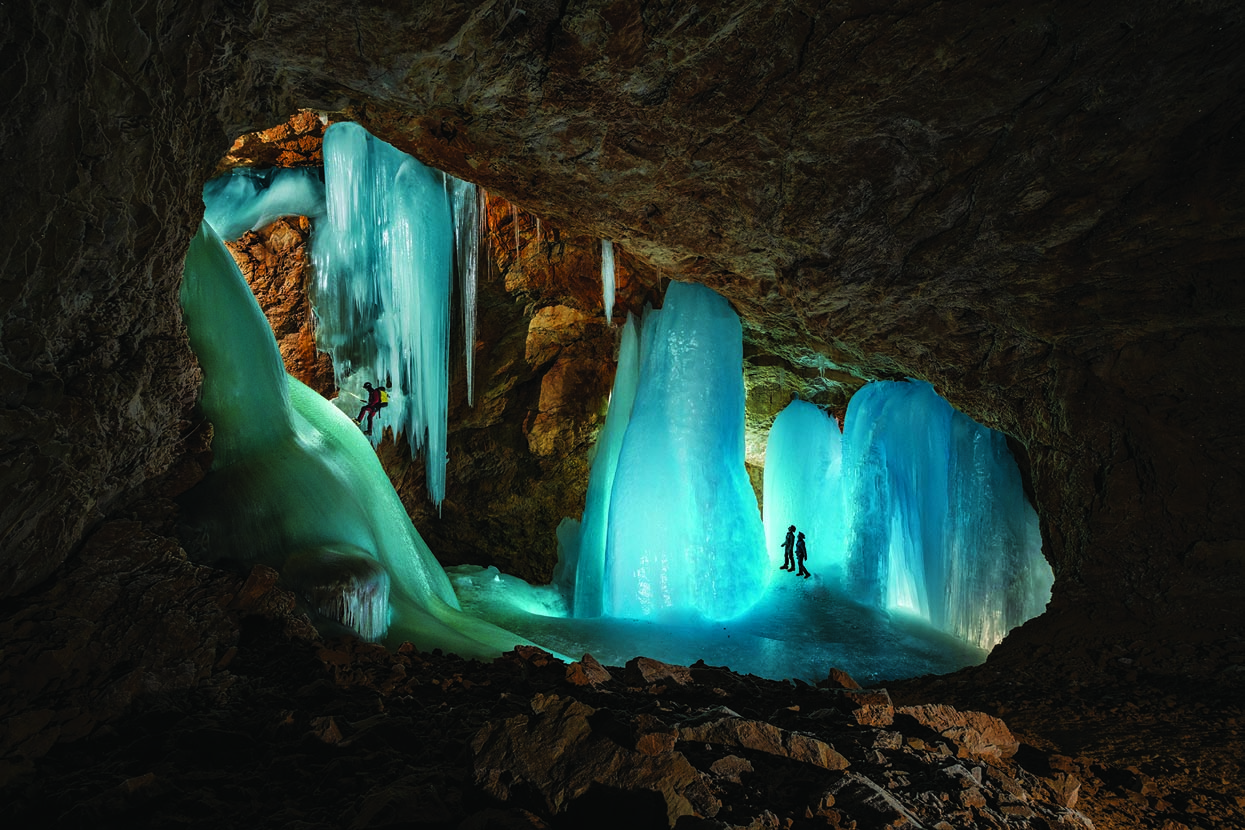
(923, 547)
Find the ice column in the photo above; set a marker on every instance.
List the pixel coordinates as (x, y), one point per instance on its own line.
(590, 543)
(803, 486)
(938, 522)
(384, 272)
(607, 278)
(684, 535)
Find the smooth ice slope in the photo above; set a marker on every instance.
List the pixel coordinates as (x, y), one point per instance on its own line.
(384, 272)
(684, 535)
(803, 486)
(938, 522)
(247, 199)
(292, 476)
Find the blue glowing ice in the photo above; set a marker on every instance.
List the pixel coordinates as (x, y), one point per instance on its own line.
(803, 486)
(247, 199)
(684, 535)
(384, 273)
(938, 523)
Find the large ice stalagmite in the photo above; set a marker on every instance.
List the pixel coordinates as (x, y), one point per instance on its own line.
(684, 535)
(384, 274)
(588, 537)
(938, 522)
(803, 486)
(294, 482)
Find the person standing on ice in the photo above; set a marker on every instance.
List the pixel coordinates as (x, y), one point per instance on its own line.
(801, 553)
(376, 398)
(788, 550)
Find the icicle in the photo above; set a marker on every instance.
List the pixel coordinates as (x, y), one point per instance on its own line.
(384, 273)
(607, 278)
(468, 221)
(514, 220)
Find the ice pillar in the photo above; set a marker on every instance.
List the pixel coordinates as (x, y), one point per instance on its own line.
(590, 560)
(684, 534)
(803, 486)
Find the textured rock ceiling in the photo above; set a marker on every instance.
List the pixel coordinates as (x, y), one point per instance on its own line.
(1037, 208)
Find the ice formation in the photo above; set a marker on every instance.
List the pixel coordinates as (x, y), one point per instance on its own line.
(295, 484)
(384, 258)
(388, 237)
(607, 278)
(937, 521)
(247, 199)
(803, 485)
(583, 544)
(683, 533)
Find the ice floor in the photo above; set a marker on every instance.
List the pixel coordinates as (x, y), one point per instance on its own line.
(799, 630)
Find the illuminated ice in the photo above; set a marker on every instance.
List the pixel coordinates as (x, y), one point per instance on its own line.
(684, 535)
(294, 481)
(247, 199)
(607, 278)
(384, 273)
(938, 522)
(803, 486)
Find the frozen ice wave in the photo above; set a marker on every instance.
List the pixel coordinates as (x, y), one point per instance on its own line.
(292, 475)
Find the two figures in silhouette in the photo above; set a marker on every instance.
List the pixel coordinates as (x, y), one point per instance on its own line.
(377, 398)
(794, 551)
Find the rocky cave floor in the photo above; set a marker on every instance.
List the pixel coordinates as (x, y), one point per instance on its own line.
(287, 729)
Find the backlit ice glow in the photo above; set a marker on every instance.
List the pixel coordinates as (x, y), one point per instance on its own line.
(915, 517)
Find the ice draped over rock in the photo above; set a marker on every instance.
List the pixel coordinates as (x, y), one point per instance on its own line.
(937, 520)
(389, 235)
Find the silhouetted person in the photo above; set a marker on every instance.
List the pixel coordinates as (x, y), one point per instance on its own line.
(788, 550)
(376, 398)
(801, 553)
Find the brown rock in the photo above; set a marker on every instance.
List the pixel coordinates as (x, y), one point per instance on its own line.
(759, 736)
(587, 672)
(839, 679)
(974, 734)
(869, 707)
(644, 671)
(555, 752)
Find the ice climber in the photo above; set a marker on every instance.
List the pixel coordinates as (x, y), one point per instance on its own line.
(788, 550)
(801, 553)
(376, 398)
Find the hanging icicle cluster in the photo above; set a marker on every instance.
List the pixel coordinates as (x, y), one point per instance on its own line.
(385, 262)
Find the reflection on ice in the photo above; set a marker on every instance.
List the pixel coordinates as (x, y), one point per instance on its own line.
(800, 629)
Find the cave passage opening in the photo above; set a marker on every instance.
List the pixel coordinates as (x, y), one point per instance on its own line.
(622, 600)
